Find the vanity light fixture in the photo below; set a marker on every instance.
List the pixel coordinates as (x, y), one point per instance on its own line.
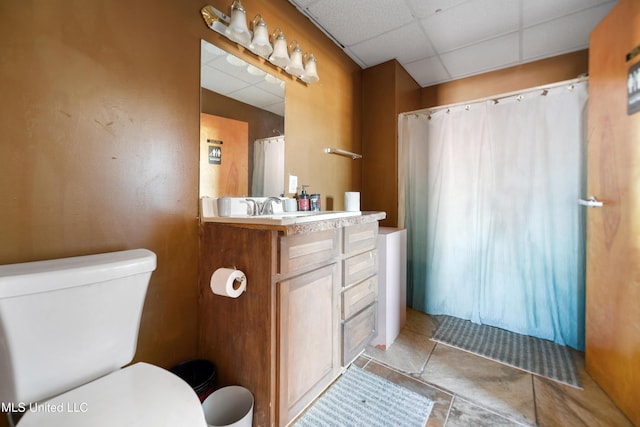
(260, 44)
(280, 55)
(215, 19)
(257, 41)
(310, 74)
(295, 67)
(237, 29)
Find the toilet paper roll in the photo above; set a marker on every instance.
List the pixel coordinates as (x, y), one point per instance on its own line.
(228, 282)
(352, 201)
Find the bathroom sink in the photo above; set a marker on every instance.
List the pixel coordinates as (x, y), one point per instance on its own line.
(314, 216)
(283, 218)
(291, 214)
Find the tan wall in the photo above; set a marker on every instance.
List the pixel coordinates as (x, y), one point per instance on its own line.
(387, 91)
(99, 135)
(532, 74)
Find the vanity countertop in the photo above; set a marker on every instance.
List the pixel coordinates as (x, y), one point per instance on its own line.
(318, 223)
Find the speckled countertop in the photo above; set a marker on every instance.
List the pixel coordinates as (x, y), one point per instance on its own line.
(329, 224)
(311, 226)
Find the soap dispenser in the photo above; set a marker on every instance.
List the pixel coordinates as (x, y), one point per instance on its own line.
(303, 199)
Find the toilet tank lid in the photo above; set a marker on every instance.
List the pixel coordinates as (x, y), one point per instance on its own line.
(50, 275)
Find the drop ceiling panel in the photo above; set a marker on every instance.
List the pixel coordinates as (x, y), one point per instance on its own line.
(471, 22)
(428, 71)
(409, 43)
(535, 12)
(561, 35)
(355, 21)
(426, 8)
(474, 60)
(421, 33)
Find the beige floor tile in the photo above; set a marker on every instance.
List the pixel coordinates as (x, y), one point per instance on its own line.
(464, 414)
(420, 323)
(408, 353)
(494, 386)
(561, 405)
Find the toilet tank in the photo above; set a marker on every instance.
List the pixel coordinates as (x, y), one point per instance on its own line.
(68, 321)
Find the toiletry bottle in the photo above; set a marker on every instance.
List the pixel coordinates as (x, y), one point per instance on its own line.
(303, 199)
(314, 203)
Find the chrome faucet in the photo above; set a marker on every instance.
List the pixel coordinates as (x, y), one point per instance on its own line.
(266, 208)
(254, 206)
(262, 208)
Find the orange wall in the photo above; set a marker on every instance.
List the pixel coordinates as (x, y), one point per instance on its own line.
(532, 74)
(387, 91)
(99, 138)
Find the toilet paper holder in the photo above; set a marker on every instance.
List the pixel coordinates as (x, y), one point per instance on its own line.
(228, 282)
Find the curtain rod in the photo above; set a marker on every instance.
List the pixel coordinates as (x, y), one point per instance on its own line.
(433, 110)
(270, 138)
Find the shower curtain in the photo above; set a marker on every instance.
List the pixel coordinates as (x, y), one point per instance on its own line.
(268, 167)
(488, 194)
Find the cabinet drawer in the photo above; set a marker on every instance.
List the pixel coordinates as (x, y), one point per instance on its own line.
(359, 238)
(359, 296)
(360, 267)
(357, 332)
(301, 250)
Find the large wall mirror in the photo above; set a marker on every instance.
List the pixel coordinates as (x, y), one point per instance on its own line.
(241, 127)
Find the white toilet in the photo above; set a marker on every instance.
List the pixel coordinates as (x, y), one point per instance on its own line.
(67, 327)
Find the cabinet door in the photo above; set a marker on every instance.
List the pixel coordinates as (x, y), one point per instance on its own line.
(309, 338)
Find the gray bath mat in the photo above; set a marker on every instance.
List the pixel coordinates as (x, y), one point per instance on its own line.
(360, 398)
(534, 355)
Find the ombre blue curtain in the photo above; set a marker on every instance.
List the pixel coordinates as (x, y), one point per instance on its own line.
(488, 195)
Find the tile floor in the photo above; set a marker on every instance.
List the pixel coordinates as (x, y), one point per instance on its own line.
(469, 390)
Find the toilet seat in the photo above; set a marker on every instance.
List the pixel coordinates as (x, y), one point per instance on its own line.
(138, 395)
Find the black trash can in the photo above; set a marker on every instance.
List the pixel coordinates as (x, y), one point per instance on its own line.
(200, 374)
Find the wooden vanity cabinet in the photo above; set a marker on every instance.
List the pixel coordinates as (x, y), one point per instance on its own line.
(284, 338)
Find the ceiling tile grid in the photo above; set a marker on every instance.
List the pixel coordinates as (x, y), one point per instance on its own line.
(473, 58)
(442, 40)
(376, 50)
(471, 22)
(562, 35)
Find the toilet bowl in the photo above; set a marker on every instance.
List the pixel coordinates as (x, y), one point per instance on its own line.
(67, 328)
